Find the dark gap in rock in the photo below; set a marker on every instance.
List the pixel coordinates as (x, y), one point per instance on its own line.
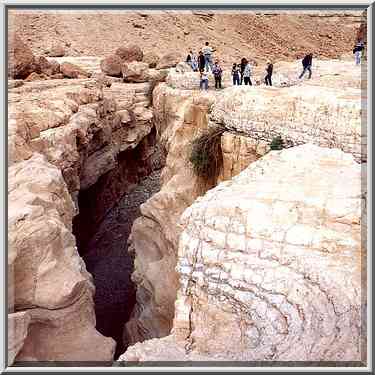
(107, 211)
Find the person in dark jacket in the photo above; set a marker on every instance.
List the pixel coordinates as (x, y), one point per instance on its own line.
(242, 68)
(217, 72)
(307, 63)
(236, 74)
(269, 70)
(201, 61)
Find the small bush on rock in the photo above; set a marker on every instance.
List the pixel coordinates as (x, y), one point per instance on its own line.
(206, 155)
(277, 143)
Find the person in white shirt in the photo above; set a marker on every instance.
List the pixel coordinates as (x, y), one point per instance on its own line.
(247, 74)
(204, 81)
(207, 53)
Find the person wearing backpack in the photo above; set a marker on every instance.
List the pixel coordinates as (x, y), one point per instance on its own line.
(269, 70)
(306, 63)
(236, 74)
(217, 72)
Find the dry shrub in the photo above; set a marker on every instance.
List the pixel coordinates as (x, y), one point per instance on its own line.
(206, 154)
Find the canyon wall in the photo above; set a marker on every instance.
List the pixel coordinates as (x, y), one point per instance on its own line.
(75, 146)
(318, 111)
(274, 256)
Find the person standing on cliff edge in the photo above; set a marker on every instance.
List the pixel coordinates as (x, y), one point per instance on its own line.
(207, 52)
(358, 48)
(306, 63)
(201, 61)
(269, 70)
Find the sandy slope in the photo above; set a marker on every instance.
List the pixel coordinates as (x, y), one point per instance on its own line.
(283, 36)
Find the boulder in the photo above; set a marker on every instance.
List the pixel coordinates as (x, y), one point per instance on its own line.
(20, 58)
(131, 53)
(135, 72)
(57, 76)
(70, 70)
(111, 65)
(183, 67)
(169, 60)
(49, 68)
(56, 51)
(34, 76)
(151, 59)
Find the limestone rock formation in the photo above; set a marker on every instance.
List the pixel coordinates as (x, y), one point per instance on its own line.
(179, 118)
(56, 50)
(280, 268)
(20, 58)
(111, 65)
(36, 77)
(151, 59)
(67, 139)
(135, 72)
(251, 126)
(169, 60)
(47, 322)
(130, 53)
(70, 70)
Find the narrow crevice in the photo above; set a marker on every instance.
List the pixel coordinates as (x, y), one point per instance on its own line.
(107, 211)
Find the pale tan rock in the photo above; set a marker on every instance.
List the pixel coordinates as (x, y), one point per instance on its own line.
(278, 267)
(56, 50)
(151, 59)
(154, 236)
(42, 254)
(269, 261)
(70, 70)
(135, 72)
(169, 60)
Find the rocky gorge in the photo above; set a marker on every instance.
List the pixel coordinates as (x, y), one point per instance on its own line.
(116, 245)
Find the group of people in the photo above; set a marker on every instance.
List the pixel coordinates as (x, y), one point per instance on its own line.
(241, 72)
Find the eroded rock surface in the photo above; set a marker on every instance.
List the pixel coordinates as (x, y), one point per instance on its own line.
(274, 255)
(51, 308)
(66, 139)
(276, 258)
(252, 117)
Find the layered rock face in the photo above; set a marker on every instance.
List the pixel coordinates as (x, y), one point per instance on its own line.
(275, 257)
(69, 142)
(315, 111)
(179, 118)
(51, 315)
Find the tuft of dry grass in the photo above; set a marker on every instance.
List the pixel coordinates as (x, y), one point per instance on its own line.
(206, 154)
